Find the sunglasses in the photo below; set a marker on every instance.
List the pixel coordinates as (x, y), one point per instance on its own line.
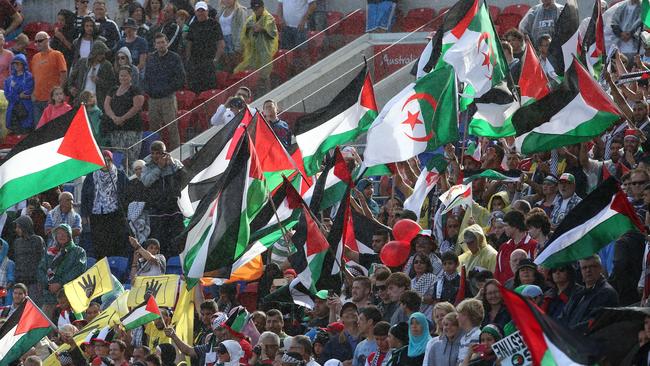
(40, 40)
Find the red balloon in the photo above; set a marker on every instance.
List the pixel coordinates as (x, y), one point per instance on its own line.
(394, 253)
(405, 230)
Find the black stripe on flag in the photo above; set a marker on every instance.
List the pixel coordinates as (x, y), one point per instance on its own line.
(596, 201)
(365, 228)
(566, 27)
(13, 320)
(453, 16)
(345, 99)
(204, 158)
(528, 117)
(51, 131)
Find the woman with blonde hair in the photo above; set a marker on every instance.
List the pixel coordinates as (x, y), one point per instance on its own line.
(443, 350)
(232, 17)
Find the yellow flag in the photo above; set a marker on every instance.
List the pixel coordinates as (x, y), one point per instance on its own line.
(164, 288)
(108, 317)
(121, 304)
(183, 319)
(95, 282)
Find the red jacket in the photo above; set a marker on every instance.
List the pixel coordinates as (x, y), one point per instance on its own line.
(503, 272)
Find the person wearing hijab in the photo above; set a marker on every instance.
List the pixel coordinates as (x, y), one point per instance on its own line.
(418, 337)
(398, 339)
(482, 354)
(229, 353)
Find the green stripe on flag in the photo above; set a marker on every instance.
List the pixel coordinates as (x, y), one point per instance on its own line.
(23, 345)
(17, 189)
(141, 321)
(645, 13)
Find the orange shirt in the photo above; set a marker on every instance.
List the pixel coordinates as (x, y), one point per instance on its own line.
(46, 69)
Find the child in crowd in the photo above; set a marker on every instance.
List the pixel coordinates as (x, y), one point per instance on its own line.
(20, 45)
(94, 114)
(446, 287)
(56, 108)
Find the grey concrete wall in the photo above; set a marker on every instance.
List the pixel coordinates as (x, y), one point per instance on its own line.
(46, 9)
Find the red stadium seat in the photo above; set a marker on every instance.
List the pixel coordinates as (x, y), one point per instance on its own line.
(184, 99)
(494, 12)
(354, 25)
(417, 17)
(519, 9)
(507, 21)
(282, 60)
(30, 29)
(222, 79)
(333, 17)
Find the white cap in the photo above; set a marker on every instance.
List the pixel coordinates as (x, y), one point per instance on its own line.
(201, 5)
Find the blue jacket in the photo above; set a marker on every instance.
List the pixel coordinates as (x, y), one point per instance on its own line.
(164, 75)
(88, 192)
(16, 84)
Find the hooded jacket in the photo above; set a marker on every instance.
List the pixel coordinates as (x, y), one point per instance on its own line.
(13, 86)
(61, 264)
(441, 351)
(485, 257)
(235, 351)
(28, 251)
(481, 214)
(105, 76)
(135, 73)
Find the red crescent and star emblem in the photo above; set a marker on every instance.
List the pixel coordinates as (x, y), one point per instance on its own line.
(484, 39)
(413, 119)
(431, 178)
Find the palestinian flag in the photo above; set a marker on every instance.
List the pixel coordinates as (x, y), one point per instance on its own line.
(331, 185)
(141, 315)
(422, 117)
(455, 196)
(23, 329)
(342, 232)
(602, 217)
(427, 180)
(473, 151)
(593, 44)
(219, 232)
(577, 111)
(645, 13)
(308, 261)
(471, 46)
(494, 120)
(493, 175)
(347, 116)
(204, 170)
(276, 212)
(565, 43)
(549, 343)
(62, 150)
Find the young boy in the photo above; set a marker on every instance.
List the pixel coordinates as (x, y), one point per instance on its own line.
(446, 287)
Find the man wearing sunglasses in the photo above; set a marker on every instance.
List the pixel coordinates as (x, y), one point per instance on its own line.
(49, 70)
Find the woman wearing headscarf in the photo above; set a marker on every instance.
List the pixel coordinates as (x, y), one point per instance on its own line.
(481, 354)
(64, 34)
(93, 74)
(63, 262)
(102, 195)
(418, 338)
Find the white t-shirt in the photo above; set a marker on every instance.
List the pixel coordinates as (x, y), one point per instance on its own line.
(84, 48)
(294, 10)
(226, 24)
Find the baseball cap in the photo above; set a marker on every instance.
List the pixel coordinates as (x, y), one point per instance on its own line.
(256, 4)
(130, 23)
(532, 291)
(322, 294)
(348, 305)
(568, 177)
(201, 5)
(526, 263)
(334, 327)
(550, 179)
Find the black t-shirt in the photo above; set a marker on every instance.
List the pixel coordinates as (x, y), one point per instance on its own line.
(121, 104)
(204, 37)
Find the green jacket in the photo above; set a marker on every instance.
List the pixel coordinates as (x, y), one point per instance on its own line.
(69, 264)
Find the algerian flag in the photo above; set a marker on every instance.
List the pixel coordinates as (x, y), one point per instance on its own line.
(428, 178)
(472, 47)
(347, 116)
(141, 315)
(458, 195)
(577, 111)
(495, 120)
(422, 117)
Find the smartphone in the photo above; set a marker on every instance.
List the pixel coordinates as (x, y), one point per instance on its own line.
(480, 348)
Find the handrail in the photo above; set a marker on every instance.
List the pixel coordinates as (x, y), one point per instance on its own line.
(246, 77)
(365, 61)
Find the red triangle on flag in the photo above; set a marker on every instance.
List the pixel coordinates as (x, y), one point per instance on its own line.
(315, 242)
(532, 80)
(78, 142)
(341, 168)
(152, 306)
(591, 92)
(464, 23)
(32, 318)
(367, 99)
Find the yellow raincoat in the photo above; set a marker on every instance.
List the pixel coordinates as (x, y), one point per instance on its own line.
(259, 47)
